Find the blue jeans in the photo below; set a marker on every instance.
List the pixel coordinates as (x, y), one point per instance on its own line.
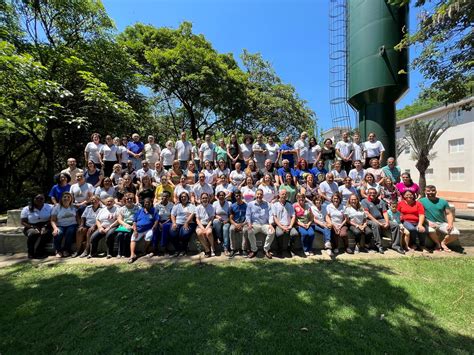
(180, 236)
(307, 237)
(221, 231)
(137, 163)
(411, 227)
(69, 234)
(325, 232)
(165, 233)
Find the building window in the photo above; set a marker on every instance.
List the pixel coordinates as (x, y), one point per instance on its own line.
(456, 145)
(407, 149)
(429, 174)
(456, 174)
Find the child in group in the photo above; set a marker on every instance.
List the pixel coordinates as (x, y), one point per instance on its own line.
(394, 215)
(116, 174)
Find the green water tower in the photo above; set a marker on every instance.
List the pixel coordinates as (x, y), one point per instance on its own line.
(377, 73)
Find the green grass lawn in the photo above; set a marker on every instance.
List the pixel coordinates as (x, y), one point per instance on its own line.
(410, 305)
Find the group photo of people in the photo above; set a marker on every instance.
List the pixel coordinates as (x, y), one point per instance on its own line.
(235, 194)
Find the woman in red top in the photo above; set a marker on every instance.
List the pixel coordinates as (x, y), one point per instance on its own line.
(413, 217)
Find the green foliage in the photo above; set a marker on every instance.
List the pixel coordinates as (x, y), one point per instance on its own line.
(421, 104)
(445, 34)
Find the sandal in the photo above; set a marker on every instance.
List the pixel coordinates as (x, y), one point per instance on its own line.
(132, 259)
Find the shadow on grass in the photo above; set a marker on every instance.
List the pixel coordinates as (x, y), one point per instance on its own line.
(205, 308)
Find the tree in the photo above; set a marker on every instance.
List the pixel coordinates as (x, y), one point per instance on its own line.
(421, 137)
(424, 102)
(445, 33)
(272, 105)
(185, 72)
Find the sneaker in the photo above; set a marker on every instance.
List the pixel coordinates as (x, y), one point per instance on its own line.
(307, 253)
(356, 249)
(118, 256)
(59, 255)
(207, 255)
(213, 253)
(84, 255)
(268, 254)
(349, 251)
(381, 251)
(232, 254)
(108, 256)
(329, 251)
(399, 250)
(327, 245)
(75, 254)
(245, 254)
(66, 254)
(89, 256)
(336, 251)
(150, 255)
(226, 252)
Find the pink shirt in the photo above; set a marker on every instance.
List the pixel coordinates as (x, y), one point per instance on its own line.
(413, 188)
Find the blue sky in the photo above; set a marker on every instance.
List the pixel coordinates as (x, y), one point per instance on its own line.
(291, 34)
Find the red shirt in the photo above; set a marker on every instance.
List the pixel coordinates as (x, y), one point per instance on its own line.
(410, 213)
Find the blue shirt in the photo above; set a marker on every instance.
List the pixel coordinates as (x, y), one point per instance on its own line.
(319, 175)
(282, 172)
(238, 211)
(57, 191)
(290, 157)
(135, 147)
(145, 220)
(258, 213)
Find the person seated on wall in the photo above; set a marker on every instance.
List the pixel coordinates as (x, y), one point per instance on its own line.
(304, 222)
(123, 233)
(372, 149)
(358, 224)
(205, 213)
(221, 224)
(440, 219)
(62, 185)
(107, 223)
(36, 220)
(413, 218)
(237, 221)
(64, 220)
(337, 221)
(408, 184)
(164, 208)
(391, 170)
(183, 225)
(145, 225)
(86, 227)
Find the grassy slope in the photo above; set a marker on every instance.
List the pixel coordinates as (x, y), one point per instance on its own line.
(297, 306)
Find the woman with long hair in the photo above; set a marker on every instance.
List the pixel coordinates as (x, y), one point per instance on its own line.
(191, 173)
(92, 174)
(62, 185)
(183, 226)
(92, 150)
(358, 224)
(64, 220)
(304, 220)
(175, 173)
(146, 190)
(204, 216)
(328, 154)
(290, 187)
(106, 189)
(407, 184)
(87, 227)
(337, 221)
(302, 171)
(248, 190)
(269, 191)
(309, 189)
(369, 183)
(319, 223)
(233, 151)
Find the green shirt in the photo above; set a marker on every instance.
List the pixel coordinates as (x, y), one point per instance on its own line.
(291, 192)
(221, 153)
(435, 210)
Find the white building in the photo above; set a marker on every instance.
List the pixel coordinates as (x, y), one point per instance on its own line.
(452, 167)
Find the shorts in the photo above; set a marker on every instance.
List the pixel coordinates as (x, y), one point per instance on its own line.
(147, 234)
(443, 229)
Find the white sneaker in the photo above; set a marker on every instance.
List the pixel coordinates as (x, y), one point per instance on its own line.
(307, 253)
(327, 245)
(329, 251)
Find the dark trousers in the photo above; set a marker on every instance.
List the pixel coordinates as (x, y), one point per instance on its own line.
(357, 233)
(164, 231)
(180, 236)
(123, 239)
(287, 239)
(109, 167)
(97, 236)
(346, 165)
(39, 231)
(378, 231)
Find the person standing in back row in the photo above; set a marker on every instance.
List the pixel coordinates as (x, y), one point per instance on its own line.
(183, 150)
(344, 152)
(373, 149)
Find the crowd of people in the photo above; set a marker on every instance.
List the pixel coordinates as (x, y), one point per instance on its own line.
(227, 194)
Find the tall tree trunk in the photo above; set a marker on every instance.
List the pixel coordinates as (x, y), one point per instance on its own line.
(422, 165)
(48, 150)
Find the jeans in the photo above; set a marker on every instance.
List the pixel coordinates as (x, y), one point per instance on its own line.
(221, 231)
(326, 232)
(283, 238)
(165, 233)
(109, 237)
(123, 239)
(180, 236)
(411, 227)
(69, 234)
(137, 163)
(307, 237)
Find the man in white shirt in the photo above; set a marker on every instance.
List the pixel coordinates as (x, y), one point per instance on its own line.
(207, 151)
(285, 218)
(183, 150)
(301, 146)
(199, 188)
(328, 188)
(145, 170)
(344, 151)
(373, 149)
(72, 170)
(82, 193)
(152, 151)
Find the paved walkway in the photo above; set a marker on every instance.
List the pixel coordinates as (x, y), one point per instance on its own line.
(9, 260)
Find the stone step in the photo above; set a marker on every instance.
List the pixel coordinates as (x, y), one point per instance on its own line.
(13, 241)
(13, 218)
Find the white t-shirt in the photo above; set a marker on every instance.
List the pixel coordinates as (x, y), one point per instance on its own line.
(222, 211)
(302, 147)
(180, 189)
(164, 211)
(199, 189)
(273, 152)
(345, 148)
(260, 157)
(141, 173)
(109, 152)
(339, 174)
(377, 173)
(182, 213)
(167, 156)
(90, 215)
(205, 214)
(184, 150)
(346, 193)
(207, 151)
(246, 150)
(358, 148)
(157, 175)
(329, 190)
(313, 153)
(336, 214)
(357, 176)
(107, 216)
(236, 178)
(93, 150)
(373, 149)
(123, 153)
(81, 192)
(210, 175)
(37, 216)
(356, 216)
(227, 188)
(269, 192)
(317, 213)
(152, 153)
(103, 193)
(65, 216)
